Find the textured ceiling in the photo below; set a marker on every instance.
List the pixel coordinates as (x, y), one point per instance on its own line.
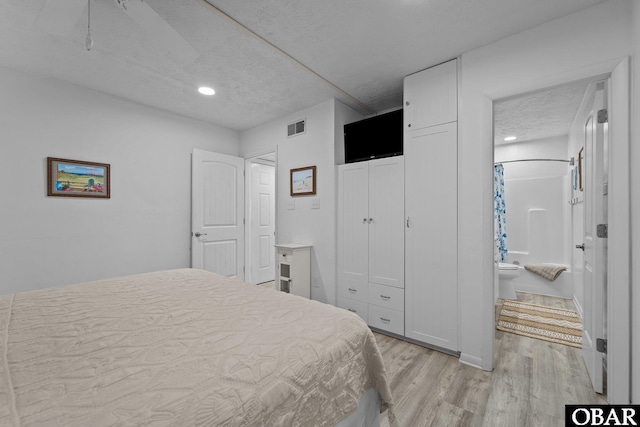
(356, 51)
(538, 115)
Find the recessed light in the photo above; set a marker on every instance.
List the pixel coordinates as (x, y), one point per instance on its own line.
(206, 90)
(510, 138)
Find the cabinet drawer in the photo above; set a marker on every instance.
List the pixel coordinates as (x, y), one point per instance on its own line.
(386, 296)
(353, 291)
(386, 319)
(357, 307)
(285, 256)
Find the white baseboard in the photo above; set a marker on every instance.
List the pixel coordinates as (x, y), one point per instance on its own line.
(473, 361)
(578, 308)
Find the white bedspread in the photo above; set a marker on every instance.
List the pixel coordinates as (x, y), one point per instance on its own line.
(181, 347)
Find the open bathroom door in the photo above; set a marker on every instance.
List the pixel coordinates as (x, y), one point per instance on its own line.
(594, 243)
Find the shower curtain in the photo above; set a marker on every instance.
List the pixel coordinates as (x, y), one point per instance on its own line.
(500, 212)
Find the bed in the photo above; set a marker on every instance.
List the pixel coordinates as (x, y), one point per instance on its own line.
(183, 347)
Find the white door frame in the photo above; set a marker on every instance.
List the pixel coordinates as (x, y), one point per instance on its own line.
(254, 158)
(619, 265)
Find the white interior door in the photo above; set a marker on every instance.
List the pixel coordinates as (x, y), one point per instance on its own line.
(594, 246)
(263, 212)
(217, 213)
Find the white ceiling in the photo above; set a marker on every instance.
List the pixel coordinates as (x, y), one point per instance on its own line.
(356, 51)
(538, 115)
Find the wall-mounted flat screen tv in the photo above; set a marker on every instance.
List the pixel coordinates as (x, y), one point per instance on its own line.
(374, 138)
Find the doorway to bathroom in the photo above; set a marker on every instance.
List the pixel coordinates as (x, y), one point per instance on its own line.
(550, 148)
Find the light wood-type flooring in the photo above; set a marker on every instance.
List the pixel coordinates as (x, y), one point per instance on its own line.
(531, 382)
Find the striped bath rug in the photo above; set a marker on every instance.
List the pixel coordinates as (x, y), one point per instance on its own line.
(557, 325)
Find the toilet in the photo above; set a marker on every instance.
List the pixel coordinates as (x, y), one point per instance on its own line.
(506, 273)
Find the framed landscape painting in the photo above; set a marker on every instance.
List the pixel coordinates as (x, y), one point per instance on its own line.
(75, 178)
(303, 181)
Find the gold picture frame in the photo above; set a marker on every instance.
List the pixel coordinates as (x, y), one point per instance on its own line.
(303, 181)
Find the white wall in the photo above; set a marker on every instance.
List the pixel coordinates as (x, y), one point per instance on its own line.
(144, 226)
(635, 206)
(541, 236)
(576, 46)
(317, 147)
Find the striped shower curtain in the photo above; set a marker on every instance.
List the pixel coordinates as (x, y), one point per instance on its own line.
(500, 212)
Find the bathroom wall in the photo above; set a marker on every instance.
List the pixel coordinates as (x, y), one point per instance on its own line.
(537, 200)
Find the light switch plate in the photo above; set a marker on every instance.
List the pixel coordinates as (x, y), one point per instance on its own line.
(292, 204)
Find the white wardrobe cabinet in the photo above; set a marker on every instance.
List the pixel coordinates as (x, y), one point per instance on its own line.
(371, 241)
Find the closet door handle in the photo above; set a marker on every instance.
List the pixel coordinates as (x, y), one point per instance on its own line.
(364, 220)
(384, 297)
(385, 320)
(408, 222)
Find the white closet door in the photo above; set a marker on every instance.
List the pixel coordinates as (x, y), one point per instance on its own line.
(386, 221)
(431, 291)
(353, 228)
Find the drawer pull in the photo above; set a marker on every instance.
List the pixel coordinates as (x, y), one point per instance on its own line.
(385, 297)
(353, 290)
(385, 320)
(352, 310)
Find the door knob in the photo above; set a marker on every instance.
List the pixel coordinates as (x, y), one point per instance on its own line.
(580, 246)
(198, 234)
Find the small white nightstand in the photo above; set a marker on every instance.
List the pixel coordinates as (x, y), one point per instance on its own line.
(294, 269)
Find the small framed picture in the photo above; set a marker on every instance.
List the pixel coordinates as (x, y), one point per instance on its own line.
(303, 181)
(76, 178)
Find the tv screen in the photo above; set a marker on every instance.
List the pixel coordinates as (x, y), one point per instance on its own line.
(374, 138)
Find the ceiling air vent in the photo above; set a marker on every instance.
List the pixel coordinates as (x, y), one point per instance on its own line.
(296, 128)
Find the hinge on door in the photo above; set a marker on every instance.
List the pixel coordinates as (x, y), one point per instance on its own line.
(601, 345)
(602, 231)
(603, 116)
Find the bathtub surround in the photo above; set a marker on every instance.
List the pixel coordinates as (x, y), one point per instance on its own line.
(538, 213)
(531, 283)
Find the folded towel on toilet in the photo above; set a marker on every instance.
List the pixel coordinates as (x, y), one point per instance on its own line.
(549, 272)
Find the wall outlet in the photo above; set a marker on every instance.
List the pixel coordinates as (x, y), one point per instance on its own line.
(292, 204)
(315, 204)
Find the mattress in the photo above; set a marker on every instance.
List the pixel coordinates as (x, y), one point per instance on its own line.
(182, 347)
